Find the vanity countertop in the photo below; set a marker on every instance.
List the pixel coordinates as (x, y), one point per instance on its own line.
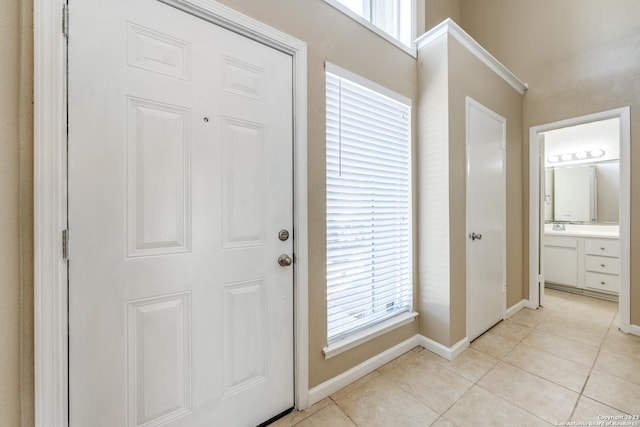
(579, 230)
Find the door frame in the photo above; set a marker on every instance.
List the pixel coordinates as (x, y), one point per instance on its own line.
(536, 219)
(468, 103)
(50, 196)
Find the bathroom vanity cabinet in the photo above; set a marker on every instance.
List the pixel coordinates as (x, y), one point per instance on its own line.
(583, 262)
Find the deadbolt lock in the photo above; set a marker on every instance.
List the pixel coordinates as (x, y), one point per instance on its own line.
(283, 235)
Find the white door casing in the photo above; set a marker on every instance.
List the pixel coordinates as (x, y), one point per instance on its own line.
(486, 266)
(541, 211)
(180, 178)
(536, 218)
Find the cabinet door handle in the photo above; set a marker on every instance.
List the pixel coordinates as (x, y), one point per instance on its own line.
(602, 249)
(603, 283)
(602, 265)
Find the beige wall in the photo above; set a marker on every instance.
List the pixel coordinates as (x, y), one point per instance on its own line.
(579, 57)
(438, 10)
(16, 231)
(448, 73)
(9, 216)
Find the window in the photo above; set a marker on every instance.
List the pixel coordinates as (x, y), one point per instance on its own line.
(393, 17)
(369, 263)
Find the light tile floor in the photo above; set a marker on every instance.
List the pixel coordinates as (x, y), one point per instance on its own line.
(564, 362)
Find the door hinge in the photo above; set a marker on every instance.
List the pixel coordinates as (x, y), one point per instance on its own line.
(65, 20)
(65, 244)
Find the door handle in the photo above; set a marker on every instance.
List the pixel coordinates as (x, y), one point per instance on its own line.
(284, 260)
(474, 236)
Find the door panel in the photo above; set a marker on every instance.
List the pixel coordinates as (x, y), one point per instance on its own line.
(159, 171)
(180, 178)
(485, 216)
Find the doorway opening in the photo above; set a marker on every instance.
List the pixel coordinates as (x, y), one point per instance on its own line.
(579, 209)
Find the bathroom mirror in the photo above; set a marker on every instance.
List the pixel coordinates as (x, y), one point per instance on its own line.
(582, 173)
(587, 193)
(574, 194)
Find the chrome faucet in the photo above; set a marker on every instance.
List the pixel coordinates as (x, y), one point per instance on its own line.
(557, 226)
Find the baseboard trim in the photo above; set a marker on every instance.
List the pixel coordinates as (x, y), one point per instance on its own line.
(515, 308)
(448, 353)
(334, 384)
(529, 304)
(631, 329)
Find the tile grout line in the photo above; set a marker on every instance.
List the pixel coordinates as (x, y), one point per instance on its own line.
(593, 365)
(450, 370)
(476, 382)
(514, 404)
(410, 393)
(595, 360)
(345, 414)
(543, 378)
(535, 375)
(579, 394)
(518, 341)
(584, 386)
(473, 383)
(438, 419)
(497, 361)
(599, 348)
(566, 338)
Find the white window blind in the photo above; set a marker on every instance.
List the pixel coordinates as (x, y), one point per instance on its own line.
(369, 263)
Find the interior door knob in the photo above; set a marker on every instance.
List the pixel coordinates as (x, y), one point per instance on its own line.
(474, 236)
(284, 260)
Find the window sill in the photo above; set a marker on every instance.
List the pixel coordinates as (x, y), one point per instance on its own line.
(370, 333)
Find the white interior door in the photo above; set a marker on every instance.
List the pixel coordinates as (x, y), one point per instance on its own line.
(180, 180)
(485, 218)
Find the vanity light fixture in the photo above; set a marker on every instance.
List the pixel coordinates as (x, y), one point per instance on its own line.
(580, 155)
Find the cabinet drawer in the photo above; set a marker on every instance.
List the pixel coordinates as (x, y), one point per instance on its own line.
(602, 264)
(602, 282)
(563, 242)
(604, 247)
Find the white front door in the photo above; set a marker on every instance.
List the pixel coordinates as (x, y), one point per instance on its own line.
(485, 218)
(180, 181)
